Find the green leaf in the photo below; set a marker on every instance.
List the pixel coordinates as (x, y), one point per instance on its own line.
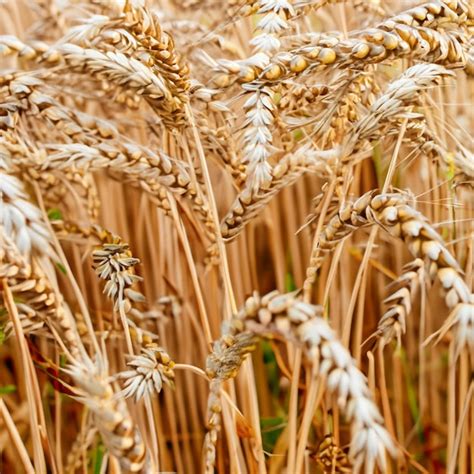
(272, 428)
(6, 389)
(61, 268)
(55, 215)
(271, 367)
(97, 458)
(290, 284)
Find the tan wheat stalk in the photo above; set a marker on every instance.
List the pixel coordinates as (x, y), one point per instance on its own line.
(470, 57)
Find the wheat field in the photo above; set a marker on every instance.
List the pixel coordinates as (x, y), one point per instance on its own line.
(236, 236)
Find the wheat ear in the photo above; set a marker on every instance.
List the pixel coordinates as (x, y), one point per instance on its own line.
(394, 213)
(38, 302)
(251, 201)
(412, 33)
(287, 315)
(109, 415)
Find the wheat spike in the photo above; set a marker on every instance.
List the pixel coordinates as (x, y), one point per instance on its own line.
(394, 213)
(109, 415)
(295, 320)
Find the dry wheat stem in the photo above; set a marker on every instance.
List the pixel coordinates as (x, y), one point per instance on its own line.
(34, 419)
(16, 438)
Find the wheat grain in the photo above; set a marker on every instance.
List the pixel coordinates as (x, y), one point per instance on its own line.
(412, 33)
(251, 201)
(393, 321)
(150, 370)
(109, 415)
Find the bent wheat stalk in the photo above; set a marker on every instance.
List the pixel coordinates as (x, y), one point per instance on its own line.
(412, 33)
(287, 315)
(109, 415)
(394, 213)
